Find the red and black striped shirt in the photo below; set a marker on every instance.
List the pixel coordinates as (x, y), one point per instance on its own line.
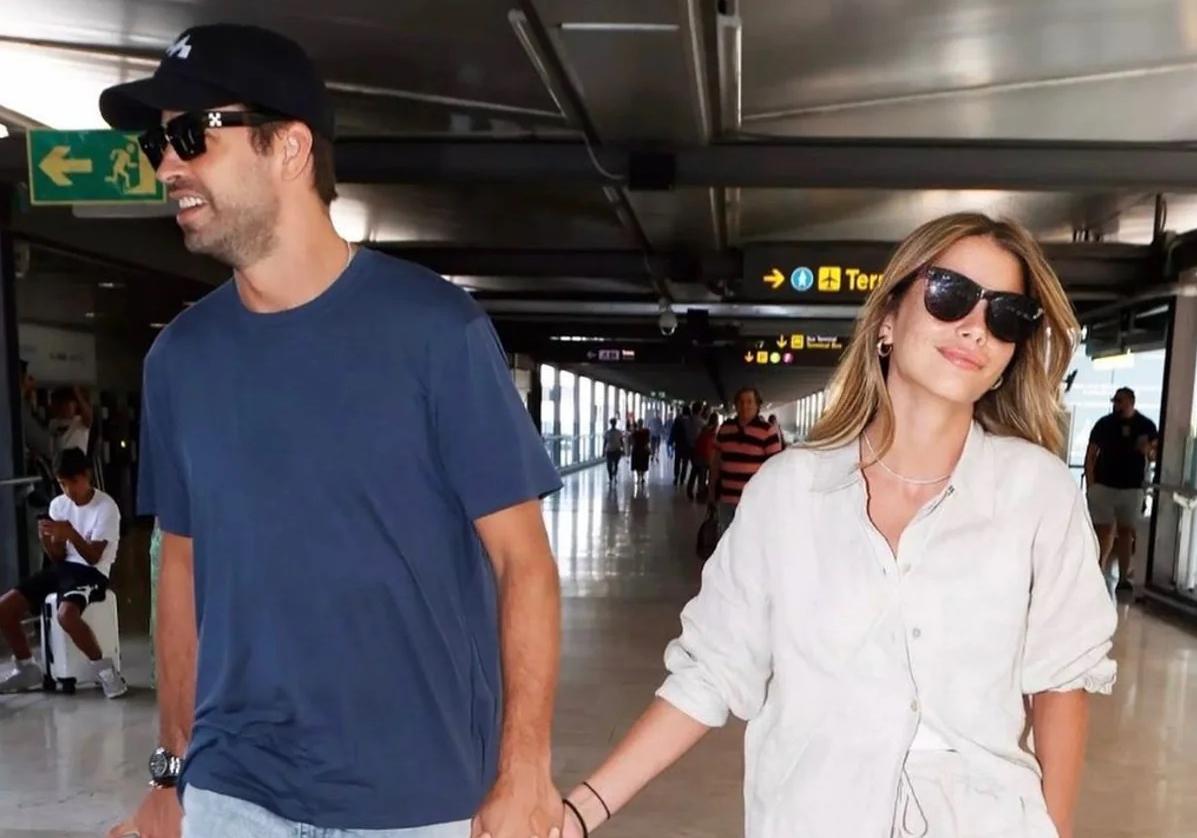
(743, 449)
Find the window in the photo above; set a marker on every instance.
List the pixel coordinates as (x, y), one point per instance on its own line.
(548, 400)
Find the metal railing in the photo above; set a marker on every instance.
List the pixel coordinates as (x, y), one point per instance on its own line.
(572, 452)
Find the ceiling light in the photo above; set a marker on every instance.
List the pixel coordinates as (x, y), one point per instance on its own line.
(91, 315)
(586, 26)
(157, 325)
(111, 286)
(3, 131)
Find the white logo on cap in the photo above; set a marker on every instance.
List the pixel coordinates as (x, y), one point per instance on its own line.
(180, 48)
(215, 119)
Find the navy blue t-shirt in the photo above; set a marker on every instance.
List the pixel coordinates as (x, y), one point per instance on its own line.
(329, 462)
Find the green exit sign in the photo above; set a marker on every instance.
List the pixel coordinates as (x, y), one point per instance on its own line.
(90, 167)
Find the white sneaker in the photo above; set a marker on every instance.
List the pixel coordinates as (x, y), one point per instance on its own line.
(111, 681)
(25, 676)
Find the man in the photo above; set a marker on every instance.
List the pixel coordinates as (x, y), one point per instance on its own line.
(655, 428)
(743, 444)
(71, 417)
(38, 441)
(697, 420)
(347, 675)
(1120, 446)
(613, 448)
(80, 538)
(679, 437)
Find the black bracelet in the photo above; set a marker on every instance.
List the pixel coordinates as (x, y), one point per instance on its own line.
(606, 808)
(569, 804)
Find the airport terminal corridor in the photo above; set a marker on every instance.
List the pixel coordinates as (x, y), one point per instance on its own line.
(627, 565)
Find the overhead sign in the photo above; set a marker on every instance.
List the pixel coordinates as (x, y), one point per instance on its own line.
(89, 167)
(796, 349)
(814, 274)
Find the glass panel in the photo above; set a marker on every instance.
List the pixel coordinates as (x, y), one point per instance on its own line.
(548, 410)
(1186, 539)
(1089, 397)
(585, 419)
(567, 384)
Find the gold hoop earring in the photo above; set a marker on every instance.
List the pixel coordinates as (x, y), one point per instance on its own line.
(998, 384)
(884, 349)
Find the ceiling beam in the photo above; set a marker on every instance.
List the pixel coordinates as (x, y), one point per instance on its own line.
(1042, 166)
(799, 164)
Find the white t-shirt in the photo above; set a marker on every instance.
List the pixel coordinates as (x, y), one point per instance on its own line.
(614, 441)
(70, 434)
(100, 520)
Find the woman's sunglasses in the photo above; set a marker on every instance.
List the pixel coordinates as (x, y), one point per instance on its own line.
(950, 296)
(185, 133)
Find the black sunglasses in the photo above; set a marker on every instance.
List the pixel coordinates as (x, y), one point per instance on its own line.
(950, 296)
(185, 133)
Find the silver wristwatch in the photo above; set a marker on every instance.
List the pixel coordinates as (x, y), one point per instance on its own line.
(164, 769)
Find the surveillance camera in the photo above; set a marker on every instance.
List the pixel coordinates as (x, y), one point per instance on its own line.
(667, 322)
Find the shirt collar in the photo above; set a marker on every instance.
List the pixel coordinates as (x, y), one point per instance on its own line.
(974, 476)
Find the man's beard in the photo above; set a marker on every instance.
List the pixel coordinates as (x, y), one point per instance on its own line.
(237, 235)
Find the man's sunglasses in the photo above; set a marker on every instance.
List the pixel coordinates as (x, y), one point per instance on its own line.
(950, 296)
(185, 133)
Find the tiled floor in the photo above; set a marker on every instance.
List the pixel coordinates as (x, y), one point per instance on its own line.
(70, 765)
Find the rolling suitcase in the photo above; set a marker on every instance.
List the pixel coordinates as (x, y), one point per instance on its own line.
(62, 662)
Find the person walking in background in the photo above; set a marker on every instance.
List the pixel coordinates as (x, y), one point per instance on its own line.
(613, 449)
(776, 425)
(641, 451)
(704, 452)
(743, 444)
(682, 450)
(894, 598)
(1121, 445)
(655, 429)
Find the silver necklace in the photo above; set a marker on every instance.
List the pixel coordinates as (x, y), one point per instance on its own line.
(348, 255)
(911, 480)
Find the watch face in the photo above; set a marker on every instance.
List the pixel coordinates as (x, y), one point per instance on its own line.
(160, 764)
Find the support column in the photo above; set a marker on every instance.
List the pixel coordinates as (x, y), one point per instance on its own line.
(1175, 428)
(12, 551)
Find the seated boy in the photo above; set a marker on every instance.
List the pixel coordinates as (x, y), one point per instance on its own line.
(80, 539)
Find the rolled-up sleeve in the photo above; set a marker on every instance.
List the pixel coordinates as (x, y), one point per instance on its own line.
(1072, 619)
(722, 661)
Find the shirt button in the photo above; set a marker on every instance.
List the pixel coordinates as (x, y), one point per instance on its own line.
(914, 706)
(917, 633)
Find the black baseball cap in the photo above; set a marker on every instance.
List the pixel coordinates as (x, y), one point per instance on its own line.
(222, 64)
(1124, 391)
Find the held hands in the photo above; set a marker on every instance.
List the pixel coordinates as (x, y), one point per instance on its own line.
(524, 803)
(56, 531)
(158, 816)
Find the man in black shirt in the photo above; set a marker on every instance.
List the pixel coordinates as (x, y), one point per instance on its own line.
(1120, 447)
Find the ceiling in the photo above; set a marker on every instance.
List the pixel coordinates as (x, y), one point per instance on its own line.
(654, 77)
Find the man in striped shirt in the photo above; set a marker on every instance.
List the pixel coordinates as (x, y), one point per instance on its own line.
(742, 446)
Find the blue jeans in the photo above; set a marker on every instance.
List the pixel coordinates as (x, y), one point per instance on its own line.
(211, 815)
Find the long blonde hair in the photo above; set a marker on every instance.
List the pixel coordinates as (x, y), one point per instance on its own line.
(1027, 405)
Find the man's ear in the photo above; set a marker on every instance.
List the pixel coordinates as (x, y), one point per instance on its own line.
(295, 142)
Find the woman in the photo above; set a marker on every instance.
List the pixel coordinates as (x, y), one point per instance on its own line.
(641, 451)
(891, 593)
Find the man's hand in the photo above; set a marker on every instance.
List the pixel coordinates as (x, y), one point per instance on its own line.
(57, 531)
(523, 804)
(158, 816)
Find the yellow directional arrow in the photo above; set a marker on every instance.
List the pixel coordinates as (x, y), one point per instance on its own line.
(774, 279)
(57, 165)
(782, 342)
(749, 357)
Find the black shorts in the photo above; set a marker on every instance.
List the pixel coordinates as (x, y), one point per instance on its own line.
(72, 582)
